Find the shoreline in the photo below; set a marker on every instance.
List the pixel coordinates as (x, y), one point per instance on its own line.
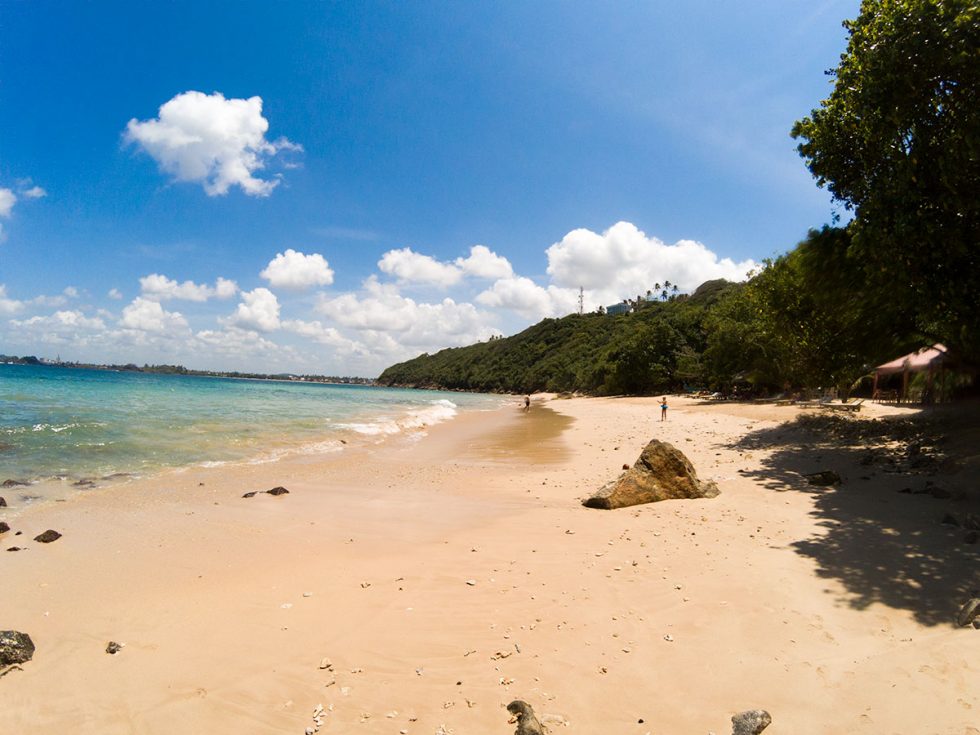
(569, 607)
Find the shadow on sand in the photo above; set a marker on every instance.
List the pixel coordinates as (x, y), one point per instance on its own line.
(883, 535)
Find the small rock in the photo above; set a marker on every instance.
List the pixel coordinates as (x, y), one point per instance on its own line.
(4, 527)
(751, 722)
(15, 647)
(13, 483)
(310, 731)
(250, 494)
(969, 612)
(471, 582)
(950, 520)
(823, 478)
(278, 491)
(669, 638)
(3, 503)
(113, 647)
(523, 714)
(325, 663)
(47, 537)
(13, 548)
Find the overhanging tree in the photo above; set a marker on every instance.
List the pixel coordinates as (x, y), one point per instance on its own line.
(898, 143)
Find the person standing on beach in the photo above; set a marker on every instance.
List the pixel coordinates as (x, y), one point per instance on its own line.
(663, 408)
(527, 403)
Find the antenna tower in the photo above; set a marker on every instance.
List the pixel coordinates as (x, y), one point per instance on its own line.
(581, 300)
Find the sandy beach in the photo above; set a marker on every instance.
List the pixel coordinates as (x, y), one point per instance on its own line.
(418, 586)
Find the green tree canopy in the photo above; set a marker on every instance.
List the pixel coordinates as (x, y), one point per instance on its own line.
(898, 143)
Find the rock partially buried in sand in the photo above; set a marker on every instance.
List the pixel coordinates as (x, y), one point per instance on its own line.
(15, 647)
(4, 527)
(969, 612)
(278, 491)
(47, 537)
(113, 648)
(823, 478)
(13, 483)
(3, 503)
(250, 494)
(751, 722)
(661, 473)
(523, 715)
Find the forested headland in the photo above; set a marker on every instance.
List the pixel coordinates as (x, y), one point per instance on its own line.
(897, 145)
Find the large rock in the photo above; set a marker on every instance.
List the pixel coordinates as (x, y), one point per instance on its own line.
(661, 473)
(751, 722)
(15, 647)
(969, 612)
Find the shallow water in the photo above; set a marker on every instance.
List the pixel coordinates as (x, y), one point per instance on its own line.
(75, 424)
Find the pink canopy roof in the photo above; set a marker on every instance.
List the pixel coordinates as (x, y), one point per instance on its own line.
(927, 358)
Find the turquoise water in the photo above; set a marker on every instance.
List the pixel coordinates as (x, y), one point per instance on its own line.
(71, 424)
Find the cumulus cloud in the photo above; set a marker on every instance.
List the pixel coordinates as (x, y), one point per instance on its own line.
(114, 293)
(622, 262)
(62, 321)
(317, 332)
(296, 271)
(528, 299)
(7, 201)
(407, 323)
(157, 287)
(407, 265)
(8, 306)
(35, 192)
(148, 316)
(236, 342)
(484, 263)
(209, 139)
(259, 309)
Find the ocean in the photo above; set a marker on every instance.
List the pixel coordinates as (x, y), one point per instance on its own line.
(65, 425)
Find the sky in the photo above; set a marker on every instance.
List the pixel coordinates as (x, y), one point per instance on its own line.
(330, 188)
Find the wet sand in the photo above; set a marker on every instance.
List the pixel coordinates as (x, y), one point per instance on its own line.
(445, 576)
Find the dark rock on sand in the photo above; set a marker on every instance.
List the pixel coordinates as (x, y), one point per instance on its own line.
(661, 473)
(13, 483)
(278, 491)
(47, 537)
(823, 478)
(4, 527)
(84, 482)
(523, 715)
(13, 548)
(3, 503)
(969, 612)
(15, 647)
(250, 494)
(751, 722)
(113, 647)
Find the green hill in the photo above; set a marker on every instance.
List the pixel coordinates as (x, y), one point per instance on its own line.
(657, 346)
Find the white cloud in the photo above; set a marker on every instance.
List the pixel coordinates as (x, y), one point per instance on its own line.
(317, 332)
(484, 263)
(207, 138)
(35, 192)
(412, 267)
(8, 306)
(407, 323)
(528, 298)
(71, 292)
(49, 301)
(296, 271)
(623, 262)
(158, 287)
(148, 316)
(62, 321)
(7, 201)
(242, 344)
(115, 293)
(259, 310)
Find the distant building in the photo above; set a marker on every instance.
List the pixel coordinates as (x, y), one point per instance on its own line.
(619, 308)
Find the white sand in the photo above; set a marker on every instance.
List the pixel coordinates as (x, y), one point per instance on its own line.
(774, 595)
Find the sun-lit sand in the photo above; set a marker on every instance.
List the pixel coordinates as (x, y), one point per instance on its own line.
(443, 577)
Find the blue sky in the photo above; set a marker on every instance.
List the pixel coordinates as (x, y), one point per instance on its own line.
(371, 146)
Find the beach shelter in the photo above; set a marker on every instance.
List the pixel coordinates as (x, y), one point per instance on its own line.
(928, 359)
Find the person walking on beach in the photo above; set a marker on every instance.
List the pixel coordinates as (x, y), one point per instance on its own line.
(527, 403)
(663, 408)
